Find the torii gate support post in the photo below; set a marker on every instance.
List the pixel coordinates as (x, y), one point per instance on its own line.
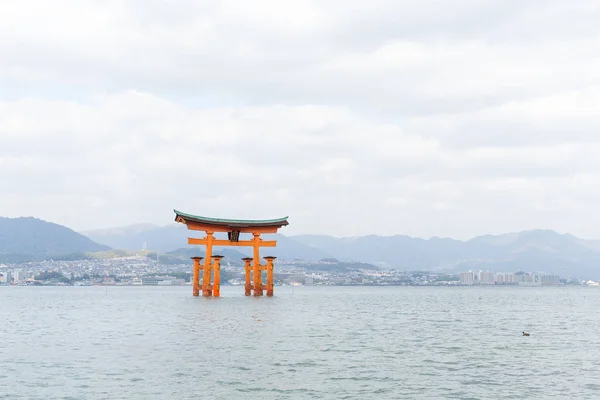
(206, 286)
(270, 275)
(248, 283)
(196, 276)
(217, 282)
(258, 287)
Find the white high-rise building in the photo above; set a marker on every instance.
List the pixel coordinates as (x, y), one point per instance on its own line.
(486, 278)
(18, 276)
(467, 278)
(550, 280)
(499, 279)
(510, 279)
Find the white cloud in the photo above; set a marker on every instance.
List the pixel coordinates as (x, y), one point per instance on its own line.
(453, 118)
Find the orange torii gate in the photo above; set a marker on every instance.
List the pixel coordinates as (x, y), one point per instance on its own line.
(233, 227)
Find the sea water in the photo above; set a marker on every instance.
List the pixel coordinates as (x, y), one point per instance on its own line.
(304, 343)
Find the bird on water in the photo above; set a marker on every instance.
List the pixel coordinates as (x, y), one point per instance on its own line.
(525, 334)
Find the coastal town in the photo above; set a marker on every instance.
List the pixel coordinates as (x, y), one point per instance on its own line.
(141, 270)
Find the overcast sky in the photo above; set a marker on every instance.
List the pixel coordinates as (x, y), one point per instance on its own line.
(426, 118)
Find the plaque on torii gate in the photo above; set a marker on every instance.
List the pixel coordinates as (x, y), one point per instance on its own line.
(211, 264)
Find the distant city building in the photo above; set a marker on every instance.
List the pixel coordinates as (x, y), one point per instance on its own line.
(467, 278)
(499, 279)
(486, 278)
(524, 278)
(18, 276)
(519, 278)
(309, 280)
(109, 281)
(550, 280)
(147, 281)
(171, 282)
(162, 281)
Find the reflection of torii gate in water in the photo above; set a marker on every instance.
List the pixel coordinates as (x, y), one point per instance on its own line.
(233, 227)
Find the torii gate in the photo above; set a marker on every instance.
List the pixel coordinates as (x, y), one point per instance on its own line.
(233, 227)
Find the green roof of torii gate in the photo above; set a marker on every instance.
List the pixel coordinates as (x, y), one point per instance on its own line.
(230, 222)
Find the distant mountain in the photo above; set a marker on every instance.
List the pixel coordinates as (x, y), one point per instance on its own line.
(29, 239)
(538, 250)
(135, 237)
(290, 249)
(388, 251)
(165, 239)
(125, 230)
